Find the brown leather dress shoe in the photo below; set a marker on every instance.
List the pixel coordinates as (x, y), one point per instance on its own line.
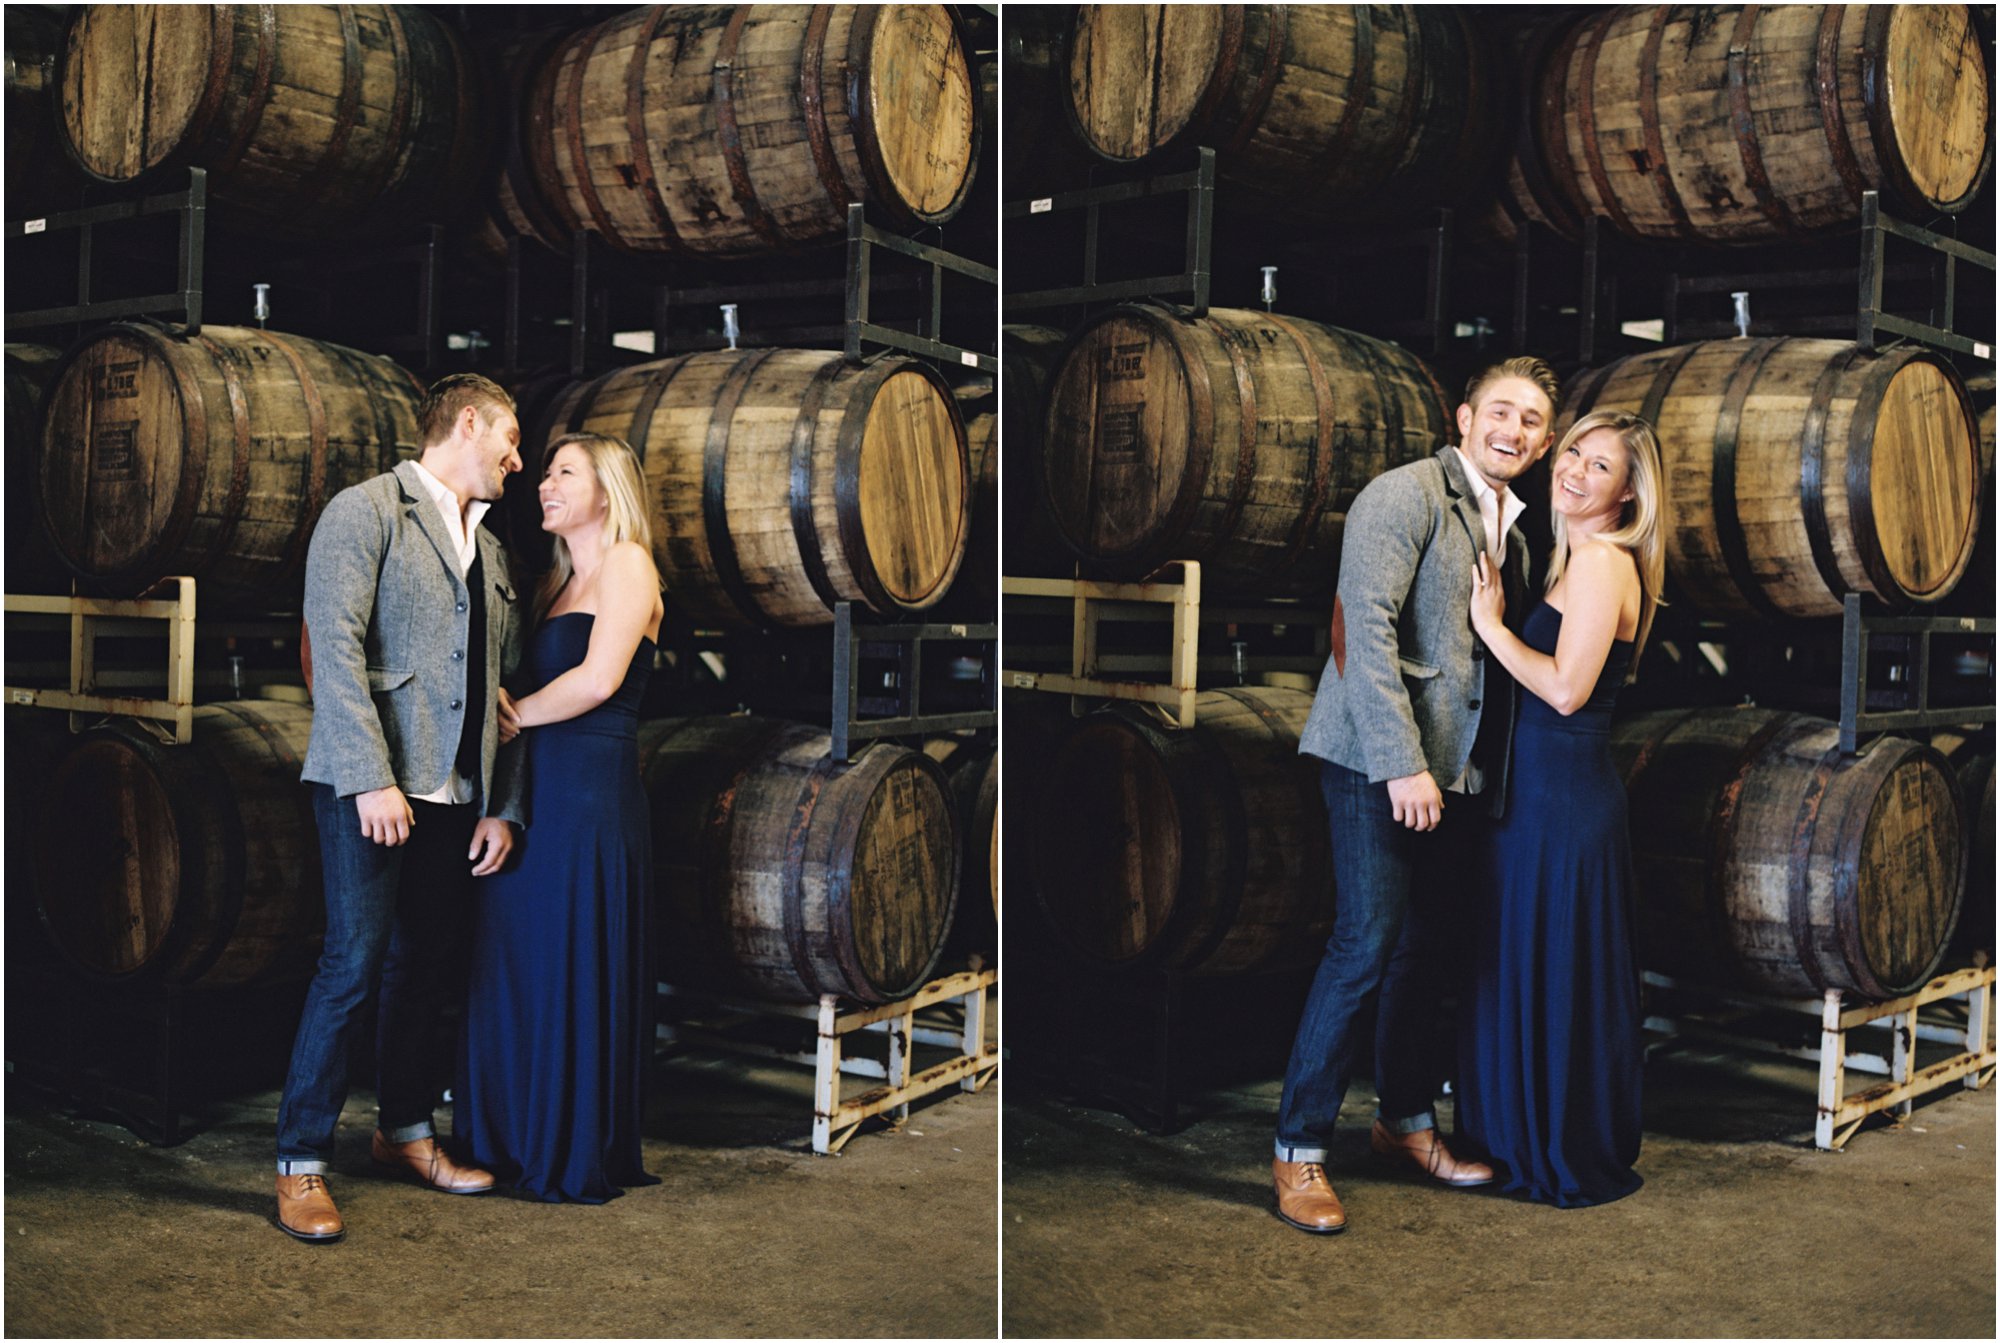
(1305, 1199)
(424, 1160)
(305, 1208)
(1425, 1150)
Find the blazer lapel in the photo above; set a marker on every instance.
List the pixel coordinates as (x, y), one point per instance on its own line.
(1462, 502)
(418, 504)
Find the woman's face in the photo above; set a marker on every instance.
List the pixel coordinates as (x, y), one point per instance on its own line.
(571, 497)
(1591, 479)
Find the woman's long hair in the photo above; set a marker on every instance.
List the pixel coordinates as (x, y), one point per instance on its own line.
(1642, 524)
(626, 517)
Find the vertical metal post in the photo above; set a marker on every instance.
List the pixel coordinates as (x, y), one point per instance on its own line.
(1920, 670)
(1437, 284)
(579, 303)
(1201, 229)
(194, 246)
(1670, 311)
(510, 305)
(430, 295)
(1524, 253)
(83, 240)
(662, 311)
(843, 677)
(857, 280)
(1586, 307)
(912, 663)
(932, 280)
(1950, 291)
(1872, 240)
(1090, 243)
(1853, 670)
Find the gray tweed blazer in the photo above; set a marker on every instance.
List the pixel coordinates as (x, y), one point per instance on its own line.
(388, 610)
(1404, 690)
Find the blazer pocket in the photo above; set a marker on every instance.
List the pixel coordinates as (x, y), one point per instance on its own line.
(386, 678)
(1423, 671)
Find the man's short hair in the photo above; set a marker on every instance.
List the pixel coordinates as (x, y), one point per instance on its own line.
(450, 395)
(1521, 366)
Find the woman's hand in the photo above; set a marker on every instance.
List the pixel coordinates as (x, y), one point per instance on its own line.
(1489, 603)
(508, 718)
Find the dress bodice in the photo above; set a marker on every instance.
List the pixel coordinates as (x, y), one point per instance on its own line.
(559, 644)
(1539, 632)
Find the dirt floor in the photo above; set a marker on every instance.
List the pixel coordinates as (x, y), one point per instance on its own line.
(748, 1234)
(1742, 1228)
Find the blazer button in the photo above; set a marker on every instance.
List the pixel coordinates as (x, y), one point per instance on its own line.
(1472, 704)
(461, 606)
(1479, 652)
(458, 655)
(457, 704)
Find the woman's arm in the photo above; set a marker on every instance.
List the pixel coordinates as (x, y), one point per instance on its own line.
(1597, 583)
(628, 592)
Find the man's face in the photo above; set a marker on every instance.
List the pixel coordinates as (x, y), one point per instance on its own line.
(495, 449)
(1508, 431)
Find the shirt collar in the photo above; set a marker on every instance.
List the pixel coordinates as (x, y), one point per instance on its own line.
(1511, 506)
(447, 502)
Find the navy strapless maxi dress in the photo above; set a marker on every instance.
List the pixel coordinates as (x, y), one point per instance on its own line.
(1550, 1053)
(554, 1043)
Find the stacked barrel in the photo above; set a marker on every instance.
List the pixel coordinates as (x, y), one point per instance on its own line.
(1800, 470)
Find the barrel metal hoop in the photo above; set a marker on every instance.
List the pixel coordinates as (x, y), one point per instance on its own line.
(1587, 388)
(329, 173)
(1875, 382)
(1593, 154)
(1664, 378)
(572, 129)
(471, 106)
(530, 159)
(1277, 32)
(861, 395)
(1847, 889)
(1798, 883)
(1201, 444)
(1649, 121)
(1323, 463)
(586, 400)
(649, 402)
(644, 182)
(1722, 842)
(840, 884)
(1812, 466)
(1742, 121)
(1246, 441)
(1362, 79)
(239, 459)
(251, 115)
(714, 473)
(1894, 171)
(812, 102)
(1722, 481)
(791, 891)
(1826, 76)
(1182, 937)
(294, 557)
(861, 114)
(221, 60)
(1543, 137)
(1221, 75)
(723, 79)
(399, 112)
(804, 433)
(1643, 757)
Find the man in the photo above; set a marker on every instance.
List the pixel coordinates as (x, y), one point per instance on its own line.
(413, 623)
(1409, 712)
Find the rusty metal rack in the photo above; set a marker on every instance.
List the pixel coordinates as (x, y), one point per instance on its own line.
(1729, 1017)
(1197, 184)
(1856, 633)
(170, 717)
(900, 713)
(323, 273)
(949, 1012)
(184, 302)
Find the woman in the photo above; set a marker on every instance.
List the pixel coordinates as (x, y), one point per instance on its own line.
(554, 1029)
(1550, 1053)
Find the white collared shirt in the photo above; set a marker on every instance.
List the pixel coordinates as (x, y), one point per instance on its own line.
(462, 526)
(1511, 508)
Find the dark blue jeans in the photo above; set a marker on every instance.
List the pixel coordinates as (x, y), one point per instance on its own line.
(1394, 888)
(395, 921)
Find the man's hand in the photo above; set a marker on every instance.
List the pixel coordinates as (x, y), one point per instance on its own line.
(1416, 802)
(386, 816)
(495, 838)
(509, 717)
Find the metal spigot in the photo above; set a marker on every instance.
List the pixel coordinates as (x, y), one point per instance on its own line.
(1741, 297)
(1270, 286)
(260, 307)
(729, 326)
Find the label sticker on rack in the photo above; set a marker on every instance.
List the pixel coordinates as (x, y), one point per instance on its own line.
(1982, 351)
(1024, 680)
(968, 358)
(1042, 206)
(35, 226)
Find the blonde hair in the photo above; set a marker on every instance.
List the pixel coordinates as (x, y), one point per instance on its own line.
(1521, 366)
(626, 516)
(1642, 523)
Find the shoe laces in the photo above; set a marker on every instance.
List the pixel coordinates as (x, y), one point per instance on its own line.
(1313, 1173)
(308, 1183)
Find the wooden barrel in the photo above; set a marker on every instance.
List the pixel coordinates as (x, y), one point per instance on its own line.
(1238, 439)
(1746, 123)
(31, 563)
(196, 864)
(1203, 849)
(973, 766)
(1767, 859)
(1028, 357)
(211, 455)
(33, 742)
(975, 592)
(783, 481)
(315, 120)
(1323, 111)
(1802, 470)
(789, 874)
(38, 176)
(737, 130)
(1969, 754)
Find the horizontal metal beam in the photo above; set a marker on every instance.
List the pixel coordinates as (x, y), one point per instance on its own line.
(1110, 194)
(1102, 293)
(109, 311)
(898, 340)
(1930, 335)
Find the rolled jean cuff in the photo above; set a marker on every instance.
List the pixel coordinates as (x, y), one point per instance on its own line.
(409, 1132)
(1416, 1123)
(1287, 1152)
(313, 1167)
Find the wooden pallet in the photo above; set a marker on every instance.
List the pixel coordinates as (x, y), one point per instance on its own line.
(837, 1118)
(1085, 680)
(1840, 1114)
(172, 717)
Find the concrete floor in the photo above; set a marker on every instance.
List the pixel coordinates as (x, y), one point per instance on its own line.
(1742, 1228)
(748, 1235)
